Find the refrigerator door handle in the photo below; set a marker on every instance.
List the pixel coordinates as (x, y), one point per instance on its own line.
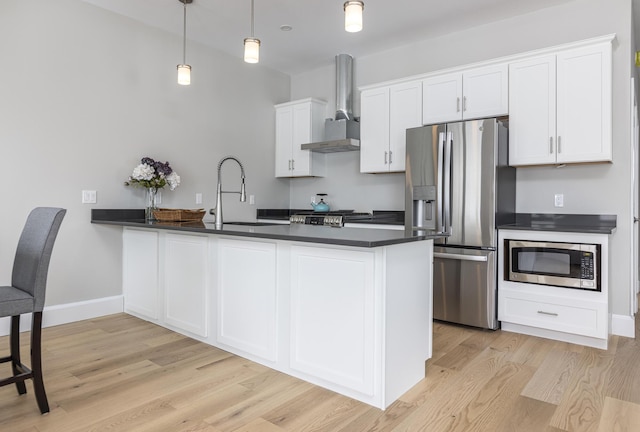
(460, 257)
(447, 183)
(440, 191)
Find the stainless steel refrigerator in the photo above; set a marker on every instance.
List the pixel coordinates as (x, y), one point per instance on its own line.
(458, 183)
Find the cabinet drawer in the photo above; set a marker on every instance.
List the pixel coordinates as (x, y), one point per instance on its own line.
(585, 319)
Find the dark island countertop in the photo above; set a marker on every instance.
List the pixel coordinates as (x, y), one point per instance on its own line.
(579, 223)
(357, 237)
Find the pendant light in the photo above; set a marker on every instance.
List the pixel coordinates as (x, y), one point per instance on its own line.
(251, 45)
(353, 16)
(184, 70)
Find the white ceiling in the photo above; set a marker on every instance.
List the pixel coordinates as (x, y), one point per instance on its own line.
(318, 25)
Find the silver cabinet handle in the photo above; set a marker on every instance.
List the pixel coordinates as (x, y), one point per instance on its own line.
(559, 145)
(385, 158)
(289, 165)
(464, 103)
(460, 257)
(550, 145)
(457, 104)
(293, 164)
(390, 157)
(547, 313)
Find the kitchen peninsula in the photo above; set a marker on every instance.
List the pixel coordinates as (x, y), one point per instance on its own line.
(347, 309)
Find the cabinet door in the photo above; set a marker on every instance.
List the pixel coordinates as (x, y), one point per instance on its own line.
(584, 104)
(186, 282)
(485, 92)
(532, 111)
(405, 111)
(247, 294)
(442, 99)
(333, 316)
(140, 272)
(374, 130)
(284, 141)
(301, 165)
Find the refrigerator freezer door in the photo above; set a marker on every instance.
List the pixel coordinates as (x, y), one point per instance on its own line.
(464, 289)
(423, 196)
(473, 183)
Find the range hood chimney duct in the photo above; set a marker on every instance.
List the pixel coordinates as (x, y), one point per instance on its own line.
(344, 87)
(343, 132)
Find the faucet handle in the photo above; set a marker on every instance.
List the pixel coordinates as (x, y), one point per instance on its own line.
(212, 211)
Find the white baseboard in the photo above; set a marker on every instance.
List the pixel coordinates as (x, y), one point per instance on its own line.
(68, 313)
(623, 325)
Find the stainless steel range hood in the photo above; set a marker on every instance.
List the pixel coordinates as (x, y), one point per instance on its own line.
(342, 133)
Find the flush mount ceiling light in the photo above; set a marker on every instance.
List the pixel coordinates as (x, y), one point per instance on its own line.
(184, 70)
(251, 45)
(353, 16)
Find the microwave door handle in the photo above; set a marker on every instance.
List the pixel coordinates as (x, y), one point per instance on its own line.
(439, 212)
(447, 182)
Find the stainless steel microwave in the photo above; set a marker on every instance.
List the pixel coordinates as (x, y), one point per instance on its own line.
(567, 265)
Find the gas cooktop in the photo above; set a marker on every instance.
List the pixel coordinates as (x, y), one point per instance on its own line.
(333, 218)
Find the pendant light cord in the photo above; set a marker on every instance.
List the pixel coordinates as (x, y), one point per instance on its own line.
(251, 18)
(184, 33)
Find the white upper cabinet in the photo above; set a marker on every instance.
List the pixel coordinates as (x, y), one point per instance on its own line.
(386, 113)
(560, 107)
(299, 122)
(474, 93)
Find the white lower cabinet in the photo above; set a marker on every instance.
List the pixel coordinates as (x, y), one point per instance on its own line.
(333, 316)
(570, 315)
(140, 273)
(166, 279)
(354, 320)
(246, 297)
(185, 274)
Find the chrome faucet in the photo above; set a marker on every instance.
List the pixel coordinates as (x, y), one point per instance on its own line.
(219, 191)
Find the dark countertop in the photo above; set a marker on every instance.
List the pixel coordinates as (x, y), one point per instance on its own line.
(590, 224)
(302, 233)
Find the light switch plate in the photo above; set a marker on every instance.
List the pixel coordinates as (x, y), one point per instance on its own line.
(89, 197)
(559, 200)
(198, 198)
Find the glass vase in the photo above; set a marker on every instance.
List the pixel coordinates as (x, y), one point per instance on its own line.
(151, 204)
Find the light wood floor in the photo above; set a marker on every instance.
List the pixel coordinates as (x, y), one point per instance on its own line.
(119, 373)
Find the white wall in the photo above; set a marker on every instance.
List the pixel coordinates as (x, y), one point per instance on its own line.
(599, 188)
(84, 94)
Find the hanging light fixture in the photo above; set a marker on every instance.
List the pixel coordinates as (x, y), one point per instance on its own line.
(353, 16)
(184, 70)
(251, 45)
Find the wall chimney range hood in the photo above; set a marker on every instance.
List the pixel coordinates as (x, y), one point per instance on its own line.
(342, 133)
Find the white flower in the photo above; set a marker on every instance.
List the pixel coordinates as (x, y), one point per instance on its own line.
(143, 172)
(173, 180)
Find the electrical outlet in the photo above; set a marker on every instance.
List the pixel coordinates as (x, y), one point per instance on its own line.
(89, 197)
(559, 200)
(198, 198)
(252, 199)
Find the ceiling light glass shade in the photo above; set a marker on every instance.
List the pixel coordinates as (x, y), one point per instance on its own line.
(353, 16)
(184, 74)
(251, 50)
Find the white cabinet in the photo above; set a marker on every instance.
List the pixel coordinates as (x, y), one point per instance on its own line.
(185, 275)
(386, 113)
(333, 316)
(299, 122)
(165, 278)
(140, 255)
(560, 107)
(246, 297)
(474, 93)
(566, 314)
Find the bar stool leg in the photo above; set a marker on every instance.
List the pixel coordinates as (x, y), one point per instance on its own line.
(36, 362)
(15, 352)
